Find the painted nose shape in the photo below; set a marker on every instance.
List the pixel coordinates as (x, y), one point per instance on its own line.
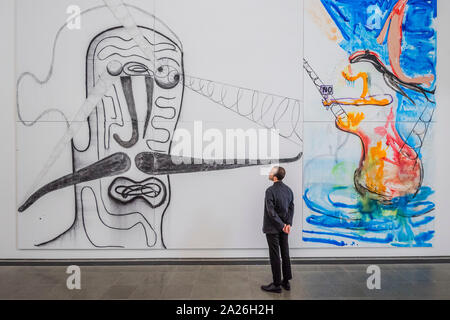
(112, 165)
(127, 88)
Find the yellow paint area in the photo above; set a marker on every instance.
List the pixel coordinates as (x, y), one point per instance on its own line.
(351, 122)
(363, 100)
(359, 102)
(374, 171)
(361, 75)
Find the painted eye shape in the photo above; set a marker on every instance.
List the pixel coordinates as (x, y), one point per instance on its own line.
(167, 77)
(114, 68)
(135, 69)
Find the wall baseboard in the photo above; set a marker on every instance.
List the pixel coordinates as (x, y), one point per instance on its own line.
(224, 261)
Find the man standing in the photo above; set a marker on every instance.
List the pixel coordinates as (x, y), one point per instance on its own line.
(278, 214)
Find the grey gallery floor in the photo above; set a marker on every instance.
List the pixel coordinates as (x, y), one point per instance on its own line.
(333, 281)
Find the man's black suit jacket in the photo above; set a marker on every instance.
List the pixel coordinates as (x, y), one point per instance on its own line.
(278, 208)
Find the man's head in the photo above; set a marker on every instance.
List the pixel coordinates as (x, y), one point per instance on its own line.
(277, 174)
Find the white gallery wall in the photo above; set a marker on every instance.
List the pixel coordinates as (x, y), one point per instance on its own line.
(205, 240)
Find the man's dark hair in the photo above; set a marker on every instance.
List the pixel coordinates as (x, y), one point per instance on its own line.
(280, 173)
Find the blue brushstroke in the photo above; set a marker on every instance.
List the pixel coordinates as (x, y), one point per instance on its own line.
(422, 222)
(418, 48)
(387, 239)
(328, 241)
(338, 208)
(421, 240)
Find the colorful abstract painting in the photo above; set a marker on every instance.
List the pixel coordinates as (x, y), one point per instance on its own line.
(370, 80)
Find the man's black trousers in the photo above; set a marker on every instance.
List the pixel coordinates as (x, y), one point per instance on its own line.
(279, 242)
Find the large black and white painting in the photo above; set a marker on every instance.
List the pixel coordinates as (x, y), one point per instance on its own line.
(123, 115)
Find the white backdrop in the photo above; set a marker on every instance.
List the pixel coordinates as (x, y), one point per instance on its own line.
(8, 229)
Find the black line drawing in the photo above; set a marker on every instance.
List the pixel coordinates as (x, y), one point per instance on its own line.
(392, 81)
(264, 109)
(122, 172)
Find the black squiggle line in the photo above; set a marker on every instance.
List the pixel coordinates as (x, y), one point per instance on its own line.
(261, 101)
(123, 182)
(174, 48)
(129, 214)
(151, 190)
(156, 128)
(169, 196)
(128, 92)
(98, 213)
(150, 91)
(46, 78)
(124, 56)
(123, 49)
(115, 111)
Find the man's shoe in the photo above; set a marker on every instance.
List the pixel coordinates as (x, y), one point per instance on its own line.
(271, 288)
(286, 285)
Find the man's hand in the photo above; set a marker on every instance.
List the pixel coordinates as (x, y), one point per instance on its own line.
(287, 228)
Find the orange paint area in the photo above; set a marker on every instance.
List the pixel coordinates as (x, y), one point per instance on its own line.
(351, 122)
(361, 75)
(322, 19)
(363, 100)
(375, 174)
